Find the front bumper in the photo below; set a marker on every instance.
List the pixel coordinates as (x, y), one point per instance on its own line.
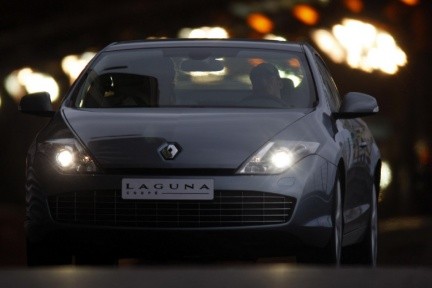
(87, 211)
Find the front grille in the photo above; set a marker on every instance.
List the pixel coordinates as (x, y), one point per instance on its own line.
(227, 209)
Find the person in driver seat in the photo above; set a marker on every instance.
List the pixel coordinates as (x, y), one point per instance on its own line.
(266, 86)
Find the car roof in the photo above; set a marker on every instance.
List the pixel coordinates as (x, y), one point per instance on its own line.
(240, 43)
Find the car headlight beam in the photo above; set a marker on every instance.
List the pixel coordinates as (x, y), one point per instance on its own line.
(282, 159)
(68, 155)
(276, 157)
(65, 158)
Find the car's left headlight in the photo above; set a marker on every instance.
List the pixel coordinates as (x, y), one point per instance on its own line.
(68, 155)
(277, 156)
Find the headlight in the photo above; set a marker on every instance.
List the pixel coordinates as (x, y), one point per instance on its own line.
(68, 155)
(276, 157)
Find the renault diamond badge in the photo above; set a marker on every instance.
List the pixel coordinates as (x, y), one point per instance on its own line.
(169, 151)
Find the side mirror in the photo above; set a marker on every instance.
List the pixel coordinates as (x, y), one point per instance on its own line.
(356, 104)
(37, 104)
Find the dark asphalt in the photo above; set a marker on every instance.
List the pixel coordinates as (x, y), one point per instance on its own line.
(268, 276)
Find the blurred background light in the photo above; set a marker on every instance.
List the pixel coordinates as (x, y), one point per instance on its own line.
(329, 45)
(355, 6)
(306, 14)
(204, 32)
(294, 63)
(423, 152)
(362, 46)
(274, 37)
(260, 23)
(255, 61)
(21, 82)
(410, 2)
(294, 78)
(386, 175)
(72, 65)
(156, 37)
(207, 76)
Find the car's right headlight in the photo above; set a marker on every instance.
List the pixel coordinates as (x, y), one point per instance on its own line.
(277, 156)
(68, 155)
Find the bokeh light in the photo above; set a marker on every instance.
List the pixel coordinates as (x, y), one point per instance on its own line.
(204, 32)
(260, 23)
(72, 65)
(294, 78)
(362, 46)
(386, 175)
(329, 45)
(306, 14)
(23, 81)
(274, 37)
(423, 152)
(255, 61)
(411, 2)
(207, 76)
(355, 6)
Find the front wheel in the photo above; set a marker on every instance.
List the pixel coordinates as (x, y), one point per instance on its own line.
(366, 252)
(332, 253)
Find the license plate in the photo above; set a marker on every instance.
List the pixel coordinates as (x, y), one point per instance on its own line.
(167, 189)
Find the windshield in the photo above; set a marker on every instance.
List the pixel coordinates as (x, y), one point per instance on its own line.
(197, 77)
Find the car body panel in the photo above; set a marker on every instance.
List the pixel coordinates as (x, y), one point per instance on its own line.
(119, 139)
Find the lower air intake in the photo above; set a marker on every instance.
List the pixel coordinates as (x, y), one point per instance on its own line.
(227, 209)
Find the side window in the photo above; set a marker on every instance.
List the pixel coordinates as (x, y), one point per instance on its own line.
(329, 85)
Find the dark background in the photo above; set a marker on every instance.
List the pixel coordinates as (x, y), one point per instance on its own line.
(39, 34)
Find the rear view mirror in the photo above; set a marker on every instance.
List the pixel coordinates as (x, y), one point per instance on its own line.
(37, 104)
(206, 65)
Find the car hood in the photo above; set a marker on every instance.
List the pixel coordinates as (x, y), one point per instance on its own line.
(207, 138)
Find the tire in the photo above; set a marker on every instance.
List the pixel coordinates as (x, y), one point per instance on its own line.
(47, 254)
(366, 252)
(332, 253)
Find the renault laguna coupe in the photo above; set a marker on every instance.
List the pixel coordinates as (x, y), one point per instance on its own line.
(239, 148)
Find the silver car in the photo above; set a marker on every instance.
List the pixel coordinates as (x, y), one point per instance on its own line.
(233, 148)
